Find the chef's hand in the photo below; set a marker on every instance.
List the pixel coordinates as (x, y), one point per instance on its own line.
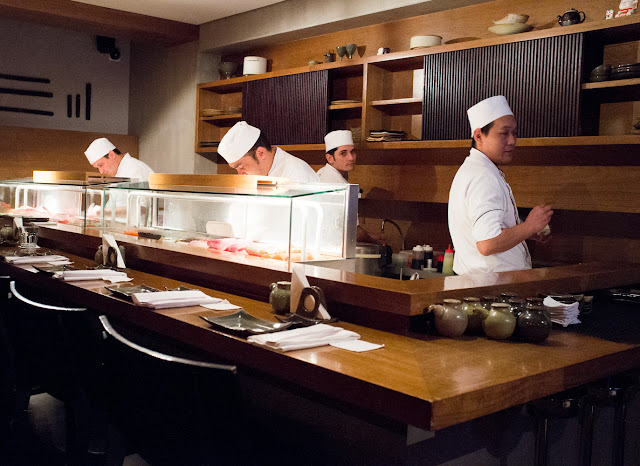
(538, 219)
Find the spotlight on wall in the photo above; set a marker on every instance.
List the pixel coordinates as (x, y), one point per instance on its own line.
(108, 45)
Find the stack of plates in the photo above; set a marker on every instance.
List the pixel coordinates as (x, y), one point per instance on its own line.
(209, 143)
(625, 71)
(600, 73)
(385, 136)
(506, 29)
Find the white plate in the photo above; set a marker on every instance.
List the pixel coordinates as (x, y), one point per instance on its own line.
(506, 29)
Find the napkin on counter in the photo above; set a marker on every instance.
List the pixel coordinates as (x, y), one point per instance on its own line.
(563, 314)
(223, 305)
(112, 276)
(18, 260)
(306, 337)
(167, 299)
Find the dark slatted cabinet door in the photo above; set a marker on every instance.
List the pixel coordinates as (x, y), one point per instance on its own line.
(289, 109)
(540, 78)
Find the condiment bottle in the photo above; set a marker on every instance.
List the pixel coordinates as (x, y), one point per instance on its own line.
(417, 257)
(428, 254)
(447, 264)
(439, 264)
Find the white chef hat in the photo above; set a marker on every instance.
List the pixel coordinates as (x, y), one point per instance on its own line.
(98, 149)
(238, 141)
(488, 110)
(334, 139)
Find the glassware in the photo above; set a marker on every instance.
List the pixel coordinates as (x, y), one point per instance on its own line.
(351, 49)
(341, 50)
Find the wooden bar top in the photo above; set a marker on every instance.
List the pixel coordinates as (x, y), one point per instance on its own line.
(427, 381)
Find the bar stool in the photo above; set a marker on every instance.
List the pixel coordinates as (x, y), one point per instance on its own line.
(613, 391)
(562, 405)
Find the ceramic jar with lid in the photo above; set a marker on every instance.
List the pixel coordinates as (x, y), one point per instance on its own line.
(280, 297)
(505, 296)
(450, 319)
(473, 307)
(499, 323)
(488, 300)
(517, 306)
(534, 324)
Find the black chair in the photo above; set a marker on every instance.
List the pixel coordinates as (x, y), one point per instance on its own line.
(168, 409)
(41, 359)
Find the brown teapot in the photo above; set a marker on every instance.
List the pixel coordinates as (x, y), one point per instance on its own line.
(571, 16)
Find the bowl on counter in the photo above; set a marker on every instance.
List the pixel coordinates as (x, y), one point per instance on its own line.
(513, 18)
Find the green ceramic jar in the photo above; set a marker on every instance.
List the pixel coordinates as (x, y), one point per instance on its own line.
(280, 297)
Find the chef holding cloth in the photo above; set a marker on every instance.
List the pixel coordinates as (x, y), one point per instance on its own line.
(487, 234)
(104, 156)
(247, 150)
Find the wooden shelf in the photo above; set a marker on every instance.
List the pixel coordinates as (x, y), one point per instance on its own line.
(222, 120)
(346, 106)
(410, 105)
(612, 84)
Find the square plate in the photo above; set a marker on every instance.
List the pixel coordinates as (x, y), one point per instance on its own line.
(244, 323)
(126, 292)
(51, 269)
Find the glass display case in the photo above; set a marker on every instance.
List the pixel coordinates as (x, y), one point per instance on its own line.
(294, 223)
(71, 202)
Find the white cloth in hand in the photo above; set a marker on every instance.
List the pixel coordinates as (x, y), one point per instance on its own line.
(307, 337)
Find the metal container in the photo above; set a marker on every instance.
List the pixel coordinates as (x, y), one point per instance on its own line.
(368, 257)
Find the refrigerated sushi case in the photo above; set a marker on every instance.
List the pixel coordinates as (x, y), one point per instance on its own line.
(290, 222)
(55, 197)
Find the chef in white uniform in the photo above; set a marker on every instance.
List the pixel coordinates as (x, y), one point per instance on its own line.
(341, 157)
(247, 150)
(487, 234)
(104, 156)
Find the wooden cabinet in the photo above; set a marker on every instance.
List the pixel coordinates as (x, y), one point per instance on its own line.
(426, 92)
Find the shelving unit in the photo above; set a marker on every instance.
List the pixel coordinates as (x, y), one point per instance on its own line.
(387, 92)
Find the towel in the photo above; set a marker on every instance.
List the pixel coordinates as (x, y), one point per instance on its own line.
(112, 276)
(167, 299)
(307, 337)
(563, 314)
(18, 260)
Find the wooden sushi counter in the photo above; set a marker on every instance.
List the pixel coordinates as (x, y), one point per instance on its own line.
(420, 380)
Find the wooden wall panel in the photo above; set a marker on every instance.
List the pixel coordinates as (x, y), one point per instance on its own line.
(23, 150)
(289, 109)
(457, 25)
(540, 78)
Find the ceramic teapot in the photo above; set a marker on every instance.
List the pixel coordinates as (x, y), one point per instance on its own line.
(499, 323)
(534, 324)
(450, 319)
(472, 307)
(280, 297)
(571, 16)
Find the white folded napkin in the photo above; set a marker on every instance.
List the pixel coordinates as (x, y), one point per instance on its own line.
(113, 276)
(563, 314)
(18, 260)
(307, 337)
(167, 299)
(223, 305)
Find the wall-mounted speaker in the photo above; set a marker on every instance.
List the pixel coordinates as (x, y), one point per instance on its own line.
(108, 45)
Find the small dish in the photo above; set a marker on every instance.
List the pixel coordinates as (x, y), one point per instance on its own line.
(244, 323)
(506, 29)
(51, 269)
(126, 292)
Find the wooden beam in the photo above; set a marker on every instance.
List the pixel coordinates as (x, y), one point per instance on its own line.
(93, 19)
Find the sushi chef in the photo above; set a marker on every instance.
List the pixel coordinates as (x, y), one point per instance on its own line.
(247, 150)
(340, 153)
(487, 233)
(104, 156)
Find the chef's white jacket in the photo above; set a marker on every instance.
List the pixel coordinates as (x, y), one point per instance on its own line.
(287, 166)
(134, 169)
(481, 204)
(329, 174)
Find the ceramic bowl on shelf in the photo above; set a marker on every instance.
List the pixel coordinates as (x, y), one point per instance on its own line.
(506, 29)
(513, 18)
(424, 41)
